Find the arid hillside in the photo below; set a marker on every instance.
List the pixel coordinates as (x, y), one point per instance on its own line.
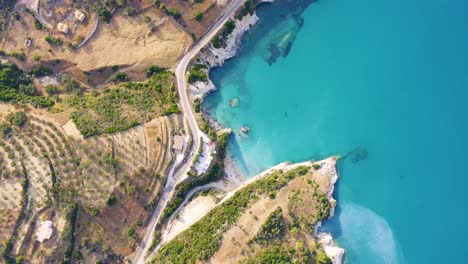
(49, 172)
(270, 220)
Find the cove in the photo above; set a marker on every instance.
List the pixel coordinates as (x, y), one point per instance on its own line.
(384, 84)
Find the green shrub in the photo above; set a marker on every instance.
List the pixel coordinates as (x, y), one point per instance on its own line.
(199, 16)
(39, 71)
(104, 14)
(112, 200)
(153, 69)
(273, 228)
(5, 129)
(53, 40)
(196, 74)
(17, 118)
(37, 24)
(120, 77)
(316, 166)
(228, 27)
(36, 58)
(196, 105)
(173, 12)
(217, 42)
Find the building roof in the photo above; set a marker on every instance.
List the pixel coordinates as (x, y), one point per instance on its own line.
(45, 231)
(62, 28)
(79, 15)
(178, 142)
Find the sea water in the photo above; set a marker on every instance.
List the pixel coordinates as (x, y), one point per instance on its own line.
(384, 84)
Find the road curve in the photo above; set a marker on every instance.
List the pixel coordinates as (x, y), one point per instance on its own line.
(175, 176)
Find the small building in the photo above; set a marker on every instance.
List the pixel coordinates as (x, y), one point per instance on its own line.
(80, 16)
(45, 231)
(28, 42)
(62, 28)
(178, 143)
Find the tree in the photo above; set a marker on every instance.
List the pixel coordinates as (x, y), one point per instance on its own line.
(153, 69)
(39, 71)
(199, 16)
(17, 118)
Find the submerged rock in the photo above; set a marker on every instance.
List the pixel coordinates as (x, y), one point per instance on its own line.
(234, 102)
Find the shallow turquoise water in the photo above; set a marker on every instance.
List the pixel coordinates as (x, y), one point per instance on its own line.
(389, 78)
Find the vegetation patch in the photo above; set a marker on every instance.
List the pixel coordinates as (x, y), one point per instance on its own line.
(273, 229)
(124, 105)
(16, 86)
(203, 239)
(197, 74)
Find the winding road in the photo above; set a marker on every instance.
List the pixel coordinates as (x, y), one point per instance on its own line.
(176, 173)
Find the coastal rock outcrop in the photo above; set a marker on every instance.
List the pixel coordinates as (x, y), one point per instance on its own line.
(215, 57)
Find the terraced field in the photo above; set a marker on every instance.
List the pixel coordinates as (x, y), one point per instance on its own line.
(43, 170)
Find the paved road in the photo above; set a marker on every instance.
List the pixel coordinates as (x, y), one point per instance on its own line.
(178, 174)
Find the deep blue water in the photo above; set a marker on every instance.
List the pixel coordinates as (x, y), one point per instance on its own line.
(384, 78)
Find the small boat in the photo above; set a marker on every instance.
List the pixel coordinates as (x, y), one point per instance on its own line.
(245, 129)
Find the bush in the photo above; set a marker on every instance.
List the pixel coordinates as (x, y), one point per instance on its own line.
(39, 71)
(5, 129)
(120, 77)
(217, 42)
(37, 24)
(196, 105)
(36, 58)
(316, 166)
(196, 74)
(153, 69)
(53, 40)
(173, 12)
(104, 14)
(17, 119)
(228, 28)
(273, 228)
(112, 200)
(199, 16)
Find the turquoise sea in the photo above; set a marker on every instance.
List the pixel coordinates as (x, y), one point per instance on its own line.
(384, 84)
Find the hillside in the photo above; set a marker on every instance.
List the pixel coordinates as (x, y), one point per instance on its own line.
(269, 220)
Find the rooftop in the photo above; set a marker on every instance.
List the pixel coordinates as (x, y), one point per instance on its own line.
(45, 231)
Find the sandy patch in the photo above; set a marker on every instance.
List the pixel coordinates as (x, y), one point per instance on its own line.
(190, 214)
(71, 130)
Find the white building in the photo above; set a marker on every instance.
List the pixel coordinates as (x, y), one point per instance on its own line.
(62, 28)
(45, 231)
(79, 15)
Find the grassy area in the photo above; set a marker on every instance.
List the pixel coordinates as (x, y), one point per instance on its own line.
(203, 239)
(123, 106)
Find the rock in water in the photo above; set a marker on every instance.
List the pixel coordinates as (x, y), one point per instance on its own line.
(234, 102)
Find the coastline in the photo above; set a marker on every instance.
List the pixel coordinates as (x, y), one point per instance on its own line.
(216, 57)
